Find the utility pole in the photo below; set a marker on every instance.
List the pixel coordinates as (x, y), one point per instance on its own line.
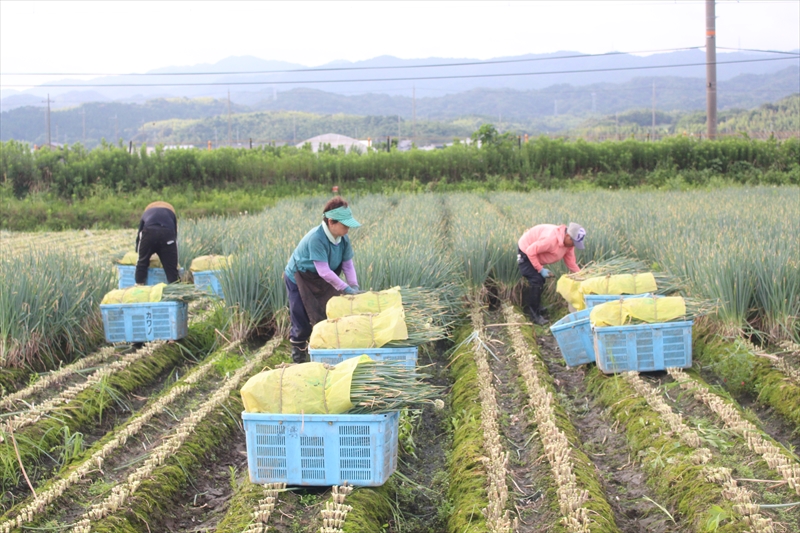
(83, 115)
(594, 103)
(711, 70)
(413, 111)
(47, 120)
(230, 141)
(653, 127)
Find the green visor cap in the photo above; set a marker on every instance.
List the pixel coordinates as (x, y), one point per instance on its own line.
(343, 215)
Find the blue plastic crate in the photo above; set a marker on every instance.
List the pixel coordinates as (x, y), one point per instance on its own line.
(127, 276)
(209, 280)
(643, 347)
(321, 450)
(573, 334)
(334, 356)
(597, 299)
(145, 322)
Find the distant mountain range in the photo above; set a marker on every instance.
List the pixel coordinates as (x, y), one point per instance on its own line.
(389, 76)
(553, 109)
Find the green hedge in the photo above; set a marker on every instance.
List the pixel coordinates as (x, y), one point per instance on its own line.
(74, 172)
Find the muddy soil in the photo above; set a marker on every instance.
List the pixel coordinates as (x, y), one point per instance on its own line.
(622, 478)
(528, 469)
(421, 497)
(204, 502)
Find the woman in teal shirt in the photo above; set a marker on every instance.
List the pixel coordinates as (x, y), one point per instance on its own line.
(312, 274)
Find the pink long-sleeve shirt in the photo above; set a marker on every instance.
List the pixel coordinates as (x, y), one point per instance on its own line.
(544, 244)
(325, 272)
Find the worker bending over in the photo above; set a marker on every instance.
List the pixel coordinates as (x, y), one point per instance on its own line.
(543, 245)
(158, 234)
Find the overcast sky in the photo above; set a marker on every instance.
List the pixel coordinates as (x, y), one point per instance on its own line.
(118, 37)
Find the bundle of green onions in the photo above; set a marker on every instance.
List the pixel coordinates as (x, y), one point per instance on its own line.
(440, 304)
(183, 292)
(695, 308)
(667, 283)
(422, 328)
(379, 386)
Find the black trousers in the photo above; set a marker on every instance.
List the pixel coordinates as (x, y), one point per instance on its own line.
(535, 280)
(162, 241)
(301, 325)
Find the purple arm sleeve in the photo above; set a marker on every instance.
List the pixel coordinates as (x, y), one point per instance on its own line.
(349, 270)
(329, 275)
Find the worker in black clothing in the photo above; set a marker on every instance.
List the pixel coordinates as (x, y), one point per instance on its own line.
(158, 234)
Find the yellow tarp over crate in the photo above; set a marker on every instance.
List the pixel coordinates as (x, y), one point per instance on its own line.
(210, 262)
(360, 331)
(570, 290)
(135, 295)
(131, 258)
(620, 284)
(650, 310)
(365, 303)
(573, 290)
(307, 388)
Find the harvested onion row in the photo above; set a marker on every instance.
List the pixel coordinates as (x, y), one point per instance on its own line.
(654, 400)
(58, 376)
(571, 498)
(740, 496)
(742, 499)
(35, 413)
(121, 492)
(45, 498)
(335, 512)
(774, 456)
(265, 507)
(498, 518)
(779, 362)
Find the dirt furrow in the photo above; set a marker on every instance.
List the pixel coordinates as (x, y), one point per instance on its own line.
(529, 474)
(634, 505)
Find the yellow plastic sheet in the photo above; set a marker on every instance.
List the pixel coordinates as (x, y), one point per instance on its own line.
(365, 303)
(307, 388)
(650, 310)
(210, 262)
(135, 295)
(570, 290)
(620, 284)
(131, 258)
(360, 331)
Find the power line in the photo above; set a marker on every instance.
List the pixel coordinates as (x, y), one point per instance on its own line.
(456, 76)
(795, 54)
(337, 69)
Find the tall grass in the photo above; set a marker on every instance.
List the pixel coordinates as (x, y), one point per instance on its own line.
(49, 306)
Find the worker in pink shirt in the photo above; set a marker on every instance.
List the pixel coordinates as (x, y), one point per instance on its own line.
(543, 245)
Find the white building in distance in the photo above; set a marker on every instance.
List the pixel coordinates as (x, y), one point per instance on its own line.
(335, 141)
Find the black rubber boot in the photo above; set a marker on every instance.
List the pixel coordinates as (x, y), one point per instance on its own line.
(299, 352)
(535, 317)
(534, 304)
